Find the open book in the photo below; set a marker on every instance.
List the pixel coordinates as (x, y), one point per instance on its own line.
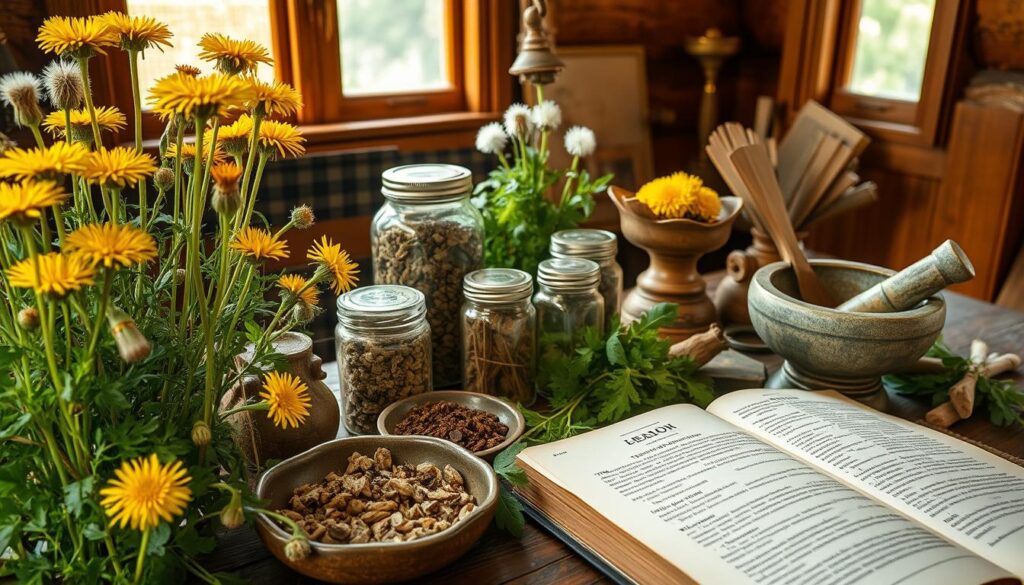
(783, 486)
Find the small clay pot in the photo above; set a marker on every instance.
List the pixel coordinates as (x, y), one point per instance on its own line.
(740, 266)
(255, 433)
(674, 246)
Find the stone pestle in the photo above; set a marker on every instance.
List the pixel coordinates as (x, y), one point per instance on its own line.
(946, 265)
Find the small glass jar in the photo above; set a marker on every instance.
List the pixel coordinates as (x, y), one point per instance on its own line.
(429, 236)
(498, 333)
(601, 246)
(383, 344)
(567, 301)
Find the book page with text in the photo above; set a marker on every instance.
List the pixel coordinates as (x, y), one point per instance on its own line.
(723, 507)
(965, 493)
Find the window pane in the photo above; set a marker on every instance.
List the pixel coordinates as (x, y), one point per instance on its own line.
(892, 46)
(189, 20)
(396, 49)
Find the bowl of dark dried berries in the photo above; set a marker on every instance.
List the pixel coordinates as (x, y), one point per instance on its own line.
(376, 509)
(481, 423)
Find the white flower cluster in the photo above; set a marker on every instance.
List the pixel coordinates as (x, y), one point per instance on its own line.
(521, 121)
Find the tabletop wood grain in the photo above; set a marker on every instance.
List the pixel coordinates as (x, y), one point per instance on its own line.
(539, 558)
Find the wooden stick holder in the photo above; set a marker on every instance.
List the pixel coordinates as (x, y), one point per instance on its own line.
(740, 266)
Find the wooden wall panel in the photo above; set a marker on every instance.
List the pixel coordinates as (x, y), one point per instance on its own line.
(976, 206)
(893, 232)
(674, 78)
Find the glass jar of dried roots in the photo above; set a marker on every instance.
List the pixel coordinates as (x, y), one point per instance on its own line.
(498, 330)
(383, 344)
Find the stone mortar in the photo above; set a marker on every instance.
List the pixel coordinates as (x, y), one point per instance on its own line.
(829, 349)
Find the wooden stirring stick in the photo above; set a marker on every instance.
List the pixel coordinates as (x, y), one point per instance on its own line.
(755, 170)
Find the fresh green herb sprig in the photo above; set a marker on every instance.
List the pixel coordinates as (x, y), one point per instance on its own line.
(1003, 400)
(614, 376)
(611, 377)
(519, 219)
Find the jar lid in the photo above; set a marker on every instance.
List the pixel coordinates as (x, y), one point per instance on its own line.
(426, 183)
(497, 285)
(569, 274)
(382, 307)
(584, 243)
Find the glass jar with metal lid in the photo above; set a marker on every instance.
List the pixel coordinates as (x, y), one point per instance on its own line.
(429, 236)
(498, 333)
(567, 301)
(383, 345)
(601, 247)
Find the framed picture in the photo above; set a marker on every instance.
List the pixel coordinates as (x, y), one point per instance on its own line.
(605, 89)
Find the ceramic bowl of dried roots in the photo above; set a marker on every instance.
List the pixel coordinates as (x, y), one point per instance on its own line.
(376, 562)
(506, 412)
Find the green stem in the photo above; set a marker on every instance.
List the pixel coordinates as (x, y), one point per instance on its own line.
(257, 119)
(258, 406)
(83, 67)
(568, 182)
(140, 561)
(108, 281)
(38, 136)
(113, 555)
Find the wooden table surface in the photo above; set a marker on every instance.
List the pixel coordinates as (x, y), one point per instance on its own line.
(539, 558)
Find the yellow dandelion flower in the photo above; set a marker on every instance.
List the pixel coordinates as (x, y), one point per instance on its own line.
(188, 152)
(143, 491)
(337, 261)
(109, 119)
(288, 397)
(240, 128)
(24, 202)
(58, 274)
(118, 167)
(274, 98)
(706, 205)
(111, 244)
(48, 163)
(225, 175)
(671, 197)
(258, 244)
(281, 137)
(77, 37)
(233, 56)
(296, 285)
(137, 33)
(206, 96)
(233, 138)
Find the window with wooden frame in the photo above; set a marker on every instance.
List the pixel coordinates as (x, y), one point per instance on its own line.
(893, 60)
(367, 69)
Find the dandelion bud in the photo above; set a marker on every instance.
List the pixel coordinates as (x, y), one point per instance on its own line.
(226, 199)
(28, 318)
(63, 82)
(188, 70)
(302, 217)
(131, 343)
(303, 313)
(20, 90)
(233, 516)
(297, 549)
(179, 277)
(201, 434)
(163, 179)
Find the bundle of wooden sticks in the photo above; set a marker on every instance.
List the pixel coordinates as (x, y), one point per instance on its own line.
(814, 164)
